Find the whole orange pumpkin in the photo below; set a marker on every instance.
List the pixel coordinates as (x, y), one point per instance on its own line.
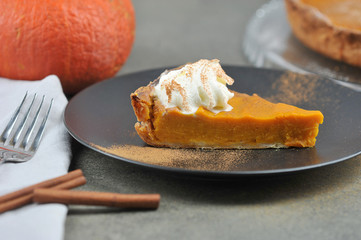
(82, 42)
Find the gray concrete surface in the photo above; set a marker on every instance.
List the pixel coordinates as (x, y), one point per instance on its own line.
(319, 204)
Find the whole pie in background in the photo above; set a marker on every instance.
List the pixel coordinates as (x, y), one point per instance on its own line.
(330, 27)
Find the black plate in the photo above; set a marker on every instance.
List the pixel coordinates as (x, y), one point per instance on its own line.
(101, 118)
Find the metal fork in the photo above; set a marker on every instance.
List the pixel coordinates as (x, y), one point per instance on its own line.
(21, 137)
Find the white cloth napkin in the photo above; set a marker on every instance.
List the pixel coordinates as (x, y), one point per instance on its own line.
(52, 159)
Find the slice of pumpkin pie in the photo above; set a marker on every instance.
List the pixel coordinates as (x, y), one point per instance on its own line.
(191, 107)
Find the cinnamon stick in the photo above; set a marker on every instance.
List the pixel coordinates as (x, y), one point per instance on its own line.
(73, 183)
(16, 202)
(48, 183)
(148, 201)
(28, 198)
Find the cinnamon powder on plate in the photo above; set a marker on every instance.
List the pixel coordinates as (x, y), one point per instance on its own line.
(298, 89)
(195, 159)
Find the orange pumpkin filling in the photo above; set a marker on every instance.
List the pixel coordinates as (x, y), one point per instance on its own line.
(252, 123)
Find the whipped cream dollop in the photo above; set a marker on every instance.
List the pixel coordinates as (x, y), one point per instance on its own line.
(203, 83)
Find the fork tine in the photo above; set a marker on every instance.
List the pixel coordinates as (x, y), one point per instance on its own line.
(22, 124)
(5, 134)
(40, 132)
(32, 126)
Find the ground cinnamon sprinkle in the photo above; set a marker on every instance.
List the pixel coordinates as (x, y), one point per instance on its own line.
(195, 159)
(293, 88)
(297, 89)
